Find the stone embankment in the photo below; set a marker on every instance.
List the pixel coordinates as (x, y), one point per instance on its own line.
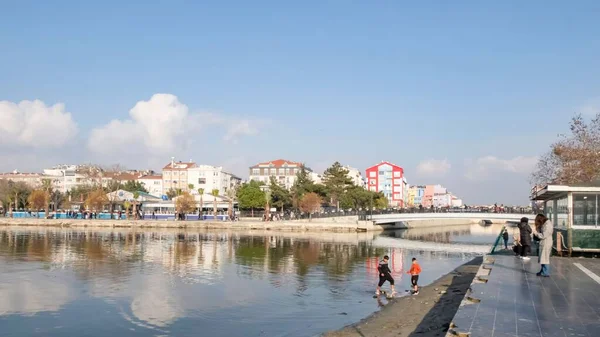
(317, 225)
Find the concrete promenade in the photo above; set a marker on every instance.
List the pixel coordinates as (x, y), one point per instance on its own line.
(512, 301)
(317, 225)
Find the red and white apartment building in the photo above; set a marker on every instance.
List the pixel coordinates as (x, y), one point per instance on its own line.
(389, 179)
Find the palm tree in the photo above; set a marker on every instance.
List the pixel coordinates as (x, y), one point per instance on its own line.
(191, 187)
(231, 194)
(215, 193)
(47, 186)
(136, 195)
(201, 192)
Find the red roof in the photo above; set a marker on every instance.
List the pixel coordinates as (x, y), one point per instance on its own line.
(279, 163)
(180, 166)
(385, 162)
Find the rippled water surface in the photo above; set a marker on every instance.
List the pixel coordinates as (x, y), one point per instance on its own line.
(166, 283)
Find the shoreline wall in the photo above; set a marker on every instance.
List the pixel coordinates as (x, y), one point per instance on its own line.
(315, 225)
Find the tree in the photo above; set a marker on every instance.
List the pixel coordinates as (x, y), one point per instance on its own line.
(310, 203)
(134, 186)
(37, 200)
(126, 207)
(191, 187)
(380, 201)
(251, 196)
(201, 193)
(574, 158)
(171, 193)
(215, 194)
(336, 180)
(136, 196)
(280, 197)
(302, 185)
(231, 195)
(47, 186)
(185, 203)
(57, 198)
(96, 200)
(356, 198)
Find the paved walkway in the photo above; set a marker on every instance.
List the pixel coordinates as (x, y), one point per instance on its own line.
(516, 302)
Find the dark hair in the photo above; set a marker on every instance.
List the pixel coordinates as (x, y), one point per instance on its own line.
(414, 259)
(525, 219)
(540, 219)
(386, 257)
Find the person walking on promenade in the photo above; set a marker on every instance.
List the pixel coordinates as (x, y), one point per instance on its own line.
(415, 270)
(545, 235)
(505, 238)
(525, 238)
(385, 274)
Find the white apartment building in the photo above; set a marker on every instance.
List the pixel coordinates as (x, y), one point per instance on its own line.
(65, 177)
(152, 183)
(356, 176)
(212, 177)
(315, 177)
(283, 170)
(175, 175)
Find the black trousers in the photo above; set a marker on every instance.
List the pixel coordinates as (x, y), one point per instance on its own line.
(525, 249)
(386, 277)
(414, 280)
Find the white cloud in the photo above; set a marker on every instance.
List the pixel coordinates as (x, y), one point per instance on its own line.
(483, 167)
(33, 124)
(433, 167)
(163, 124)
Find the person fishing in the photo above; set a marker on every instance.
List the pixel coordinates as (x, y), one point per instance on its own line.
(385, 274)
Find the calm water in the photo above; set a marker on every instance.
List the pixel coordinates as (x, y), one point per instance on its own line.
(167, 283)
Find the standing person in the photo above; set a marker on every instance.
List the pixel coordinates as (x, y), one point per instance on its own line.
(415, 270)
(385, 274)
(545, 235)
(505, 238)
(525, 238)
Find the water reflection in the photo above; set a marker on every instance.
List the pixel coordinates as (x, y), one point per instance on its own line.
(228, 283)
(467, 234)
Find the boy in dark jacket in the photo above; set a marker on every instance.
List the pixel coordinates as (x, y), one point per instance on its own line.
(385, 274)
(525, 238)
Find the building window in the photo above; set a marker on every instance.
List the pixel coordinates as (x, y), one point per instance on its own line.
(397, 196)
(397, 181)
(373, 182)
(201, 181)
(372, 174)
(255, 171)
(281, 171)
(397, 174)
(273, 171)
(287, 171)
(373, 188)
(585, 210)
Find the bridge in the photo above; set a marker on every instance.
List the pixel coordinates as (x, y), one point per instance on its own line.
(401, 219)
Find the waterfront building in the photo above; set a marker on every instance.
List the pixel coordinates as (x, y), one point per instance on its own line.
(575, 213)
(175, 175)
(64, 177)
(356, 176)
(456, 202)
(389, 179)
(153, 183)
(417, 192)
(212, 177)
(32, 180)
(283, 170)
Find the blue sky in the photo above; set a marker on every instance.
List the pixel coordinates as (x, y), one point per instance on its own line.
(464, 94)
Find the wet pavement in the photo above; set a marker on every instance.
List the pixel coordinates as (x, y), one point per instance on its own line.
(515, 302)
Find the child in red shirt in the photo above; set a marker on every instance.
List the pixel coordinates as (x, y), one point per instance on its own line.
(414, 271)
